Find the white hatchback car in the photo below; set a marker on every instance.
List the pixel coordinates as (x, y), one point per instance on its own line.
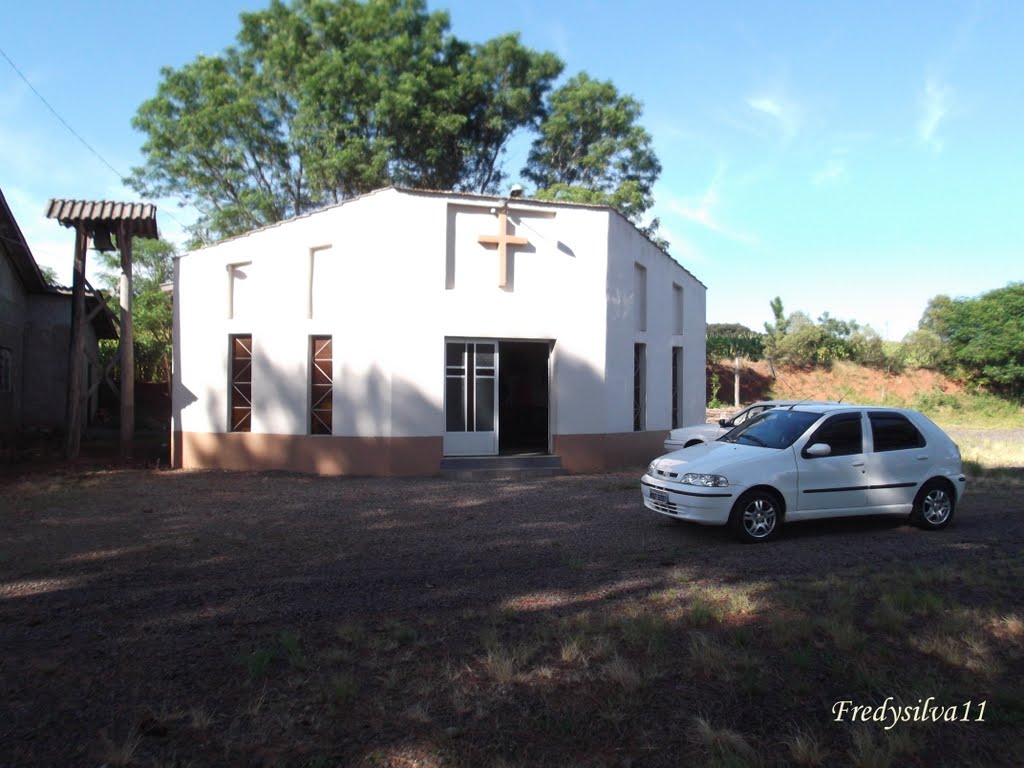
(809, 461)
(684, 437)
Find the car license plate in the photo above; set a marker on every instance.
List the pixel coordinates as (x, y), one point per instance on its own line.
(659, 496)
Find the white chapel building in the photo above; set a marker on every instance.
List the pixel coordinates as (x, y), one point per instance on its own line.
(403, 329)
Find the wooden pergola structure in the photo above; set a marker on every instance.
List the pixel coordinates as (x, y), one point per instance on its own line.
(98, 222)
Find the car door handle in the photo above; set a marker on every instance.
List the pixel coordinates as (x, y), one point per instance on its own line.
(922, 458)
(857, 464)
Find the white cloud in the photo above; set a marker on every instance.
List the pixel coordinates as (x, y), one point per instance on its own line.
(766, 105)
(832, 172)
(785, 113)
(936, 103)
(701, 209)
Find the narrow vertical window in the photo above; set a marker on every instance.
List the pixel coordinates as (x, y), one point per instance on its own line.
(639, 386)
(6, 370)
(640, 295)
(677, 378)
(238, 295)
(677, 308)
(321, 385)
(241, 384)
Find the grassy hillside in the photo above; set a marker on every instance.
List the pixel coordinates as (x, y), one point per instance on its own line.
(927, 391)
(989, 431)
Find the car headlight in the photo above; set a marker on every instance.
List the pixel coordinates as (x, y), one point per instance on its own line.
(707, 481)
(650, 468)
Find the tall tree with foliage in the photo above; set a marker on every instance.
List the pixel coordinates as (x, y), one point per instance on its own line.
(321, 100)
(985, 336)
(592, 150)
(152, 269)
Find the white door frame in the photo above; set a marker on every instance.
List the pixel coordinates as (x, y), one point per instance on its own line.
(466, 381)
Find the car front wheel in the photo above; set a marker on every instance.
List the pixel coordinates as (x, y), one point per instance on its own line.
(934, 506)
(756, 516)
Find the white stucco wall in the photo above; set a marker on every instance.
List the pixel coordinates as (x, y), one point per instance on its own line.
(403, 271)
(627, 247)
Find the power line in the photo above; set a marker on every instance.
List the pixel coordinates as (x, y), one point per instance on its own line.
(76, 134)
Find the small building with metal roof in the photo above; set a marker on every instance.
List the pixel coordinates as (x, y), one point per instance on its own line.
(35, 328)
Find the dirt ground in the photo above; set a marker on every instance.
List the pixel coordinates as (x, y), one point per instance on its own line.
(134, 604)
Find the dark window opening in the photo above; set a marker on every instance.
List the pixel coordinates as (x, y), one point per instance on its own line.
(241, 383)
(321, 385)
(639, 386)
(677, 377)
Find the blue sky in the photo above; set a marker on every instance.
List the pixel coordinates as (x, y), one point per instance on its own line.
(857, 158)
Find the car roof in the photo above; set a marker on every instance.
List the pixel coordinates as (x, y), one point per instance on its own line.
(821, 407)
(778, 403)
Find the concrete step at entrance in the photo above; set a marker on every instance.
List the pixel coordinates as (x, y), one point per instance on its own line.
(479, 467)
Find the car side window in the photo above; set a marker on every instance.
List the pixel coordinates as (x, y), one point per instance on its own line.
(894, 432)
(842, 432)
(748, 414)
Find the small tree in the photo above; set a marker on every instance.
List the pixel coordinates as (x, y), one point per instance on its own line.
(737, 347)
(152, 270)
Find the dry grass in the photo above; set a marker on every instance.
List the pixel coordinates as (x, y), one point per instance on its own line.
(298, 631)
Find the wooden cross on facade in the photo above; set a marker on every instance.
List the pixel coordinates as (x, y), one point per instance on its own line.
(503, 240)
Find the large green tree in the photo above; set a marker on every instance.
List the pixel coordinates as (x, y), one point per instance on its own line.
(591, 149)
(152, 272)
(985, 336)
(321, 100)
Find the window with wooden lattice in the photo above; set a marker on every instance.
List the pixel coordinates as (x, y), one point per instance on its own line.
(321, 385)
(241, 384)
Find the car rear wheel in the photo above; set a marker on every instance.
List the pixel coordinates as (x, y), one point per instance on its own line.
(934, 506)
(756, 516)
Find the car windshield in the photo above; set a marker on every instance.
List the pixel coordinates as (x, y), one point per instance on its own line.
(777, 428)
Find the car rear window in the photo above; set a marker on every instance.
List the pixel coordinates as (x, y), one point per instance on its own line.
(894, 432)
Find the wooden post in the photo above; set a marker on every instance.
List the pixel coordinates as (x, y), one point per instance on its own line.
(126, 344)
(736, 383)
(76, 350)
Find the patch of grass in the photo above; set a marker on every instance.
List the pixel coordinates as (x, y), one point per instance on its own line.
(344, 689)
(503, 664)
(256, 705)
(199, 718)
(257, 661)
(723, 747)
(709, 657)
(401, 634)
(645, 632)
(623, 673)
(703, 612)
(290, 644)
(351, 632)
(985, 455)
(805, 750)
(121, 753)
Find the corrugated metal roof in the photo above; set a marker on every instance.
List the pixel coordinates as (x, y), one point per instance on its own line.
(140, 218)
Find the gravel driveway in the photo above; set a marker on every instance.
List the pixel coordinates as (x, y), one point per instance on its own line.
(125, 591)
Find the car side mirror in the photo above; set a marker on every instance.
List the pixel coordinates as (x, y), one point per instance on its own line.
(723, 423)
(818, 450)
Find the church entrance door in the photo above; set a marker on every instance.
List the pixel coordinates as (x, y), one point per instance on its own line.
(496, 397)
(523, 397)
